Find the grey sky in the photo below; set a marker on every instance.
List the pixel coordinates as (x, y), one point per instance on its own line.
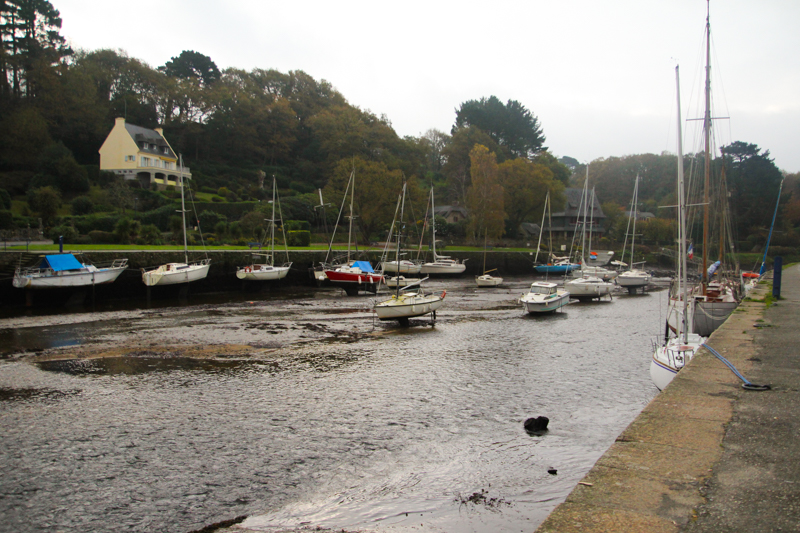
(599, 74)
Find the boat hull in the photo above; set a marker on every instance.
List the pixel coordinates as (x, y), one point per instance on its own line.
(633, 279)
(443, 269)
(536, 305)
(176, 273)
(405, 267)
(262, 272)
(671, 357)
(364, 278)
(488, 281)
(399, 281)
(408, 306)
(708, 316)
(555, 269)
(67, 278)
(589, 290)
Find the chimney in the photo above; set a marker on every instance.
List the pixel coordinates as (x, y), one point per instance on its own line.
(120, 121)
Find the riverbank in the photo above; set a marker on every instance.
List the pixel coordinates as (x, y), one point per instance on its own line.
(706, 455)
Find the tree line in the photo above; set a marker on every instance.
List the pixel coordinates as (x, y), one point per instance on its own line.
(57, 106)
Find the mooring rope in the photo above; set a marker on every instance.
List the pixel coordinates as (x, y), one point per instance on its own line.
(747, 384)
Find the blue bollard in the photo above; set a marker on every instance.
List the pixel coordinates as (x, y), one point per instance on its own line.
(776, 277)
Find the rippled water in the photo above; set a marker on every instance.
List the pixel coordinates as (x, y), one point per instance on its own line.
(385, 429)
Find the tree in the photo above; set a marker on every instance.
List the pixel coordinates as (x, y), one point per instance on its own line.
(376, 191)
(149, 234)
(45, 201)
(29, 30)
(82, 205)
(485, 196)
(194, 66)
(513, 127)
(58, 168)
(525, 185)
(22, 135)
(753, 182)
(457, 160)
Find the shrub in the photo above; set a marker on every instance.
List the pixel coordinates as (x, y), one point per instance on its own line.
(217, 199)
(69, 233)
(82, 205)
(223, 191)
(298, 225)
(149, 234)
(298, 238)
(6, 219)
(101, 237)
(5, 199)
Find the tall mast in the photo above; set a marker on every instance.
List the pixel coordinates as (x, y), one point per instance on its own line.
(183, 217)
(352, 196)
(634, 206)
(433, 223)
(682, 281)
(585, 202)
(541, 228)
(707, 139)
(272, 227)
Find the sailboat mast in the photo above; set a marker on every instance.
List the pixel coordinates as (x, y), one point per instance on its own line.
(183, 217)
(399, 237)
(585, 204)
(682, 281)
(541, 228)
(634, 206)
(707, 140)
(272, 227)
(433, 223)
(352, 196)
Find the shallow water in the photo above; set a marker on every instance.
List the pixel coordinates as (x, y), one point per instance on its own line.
(333, 421)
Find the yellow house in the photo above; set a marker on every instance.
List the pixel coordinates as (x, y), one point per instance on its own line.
(141, 154)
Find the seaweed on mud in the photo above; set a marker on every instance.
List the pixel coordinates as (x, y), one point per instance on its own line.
(481, 498)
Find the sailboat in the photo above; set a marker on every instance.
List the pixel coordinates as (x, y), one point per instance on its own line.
(633, 278)
(352, 275)
(713, 300)
(676, 351)
(486, 279)
(589, 285)
(441, 264)
(404, 304)
(555, 265)
(176, 273)
(267, 271)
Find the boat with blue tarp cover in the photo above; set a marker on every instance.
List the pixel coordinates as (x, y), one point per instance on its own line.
(65, 270)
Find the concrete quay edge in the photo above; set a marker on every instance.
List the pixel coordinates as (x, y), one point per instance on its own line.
(656, 476)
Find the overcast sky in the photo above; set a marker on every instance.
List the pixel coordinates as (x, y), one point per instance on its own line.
(599, 74)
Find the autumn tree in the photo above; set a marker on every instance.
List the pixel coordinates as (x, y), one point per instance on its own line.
(485, 201)
(457, 160)
(525, 185)
(376, 190)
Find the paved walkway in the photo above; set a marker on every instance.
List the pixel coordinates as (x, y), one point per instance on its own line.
(706, 455)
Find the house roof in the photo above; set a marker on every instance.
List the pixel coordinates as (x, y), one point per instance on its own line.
(573, 207)
(446, 210)
(155, 141)
(529, 228)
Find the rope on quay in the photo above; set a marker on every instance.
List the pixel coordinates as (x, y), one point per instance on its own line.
(746, 385)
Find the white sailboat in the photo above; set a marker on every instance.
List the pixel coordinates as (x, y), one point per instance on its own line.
(486, 279)
(268, 271)
(586, 269)
(678, 349)
(589, 285)
(633, 278)
(176, 273)
(441, 264)
(544, 297)
(403, 305)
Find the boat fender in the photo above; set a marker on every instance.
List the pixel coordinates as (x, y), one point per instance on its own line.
(443, 293)
(247, 269)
